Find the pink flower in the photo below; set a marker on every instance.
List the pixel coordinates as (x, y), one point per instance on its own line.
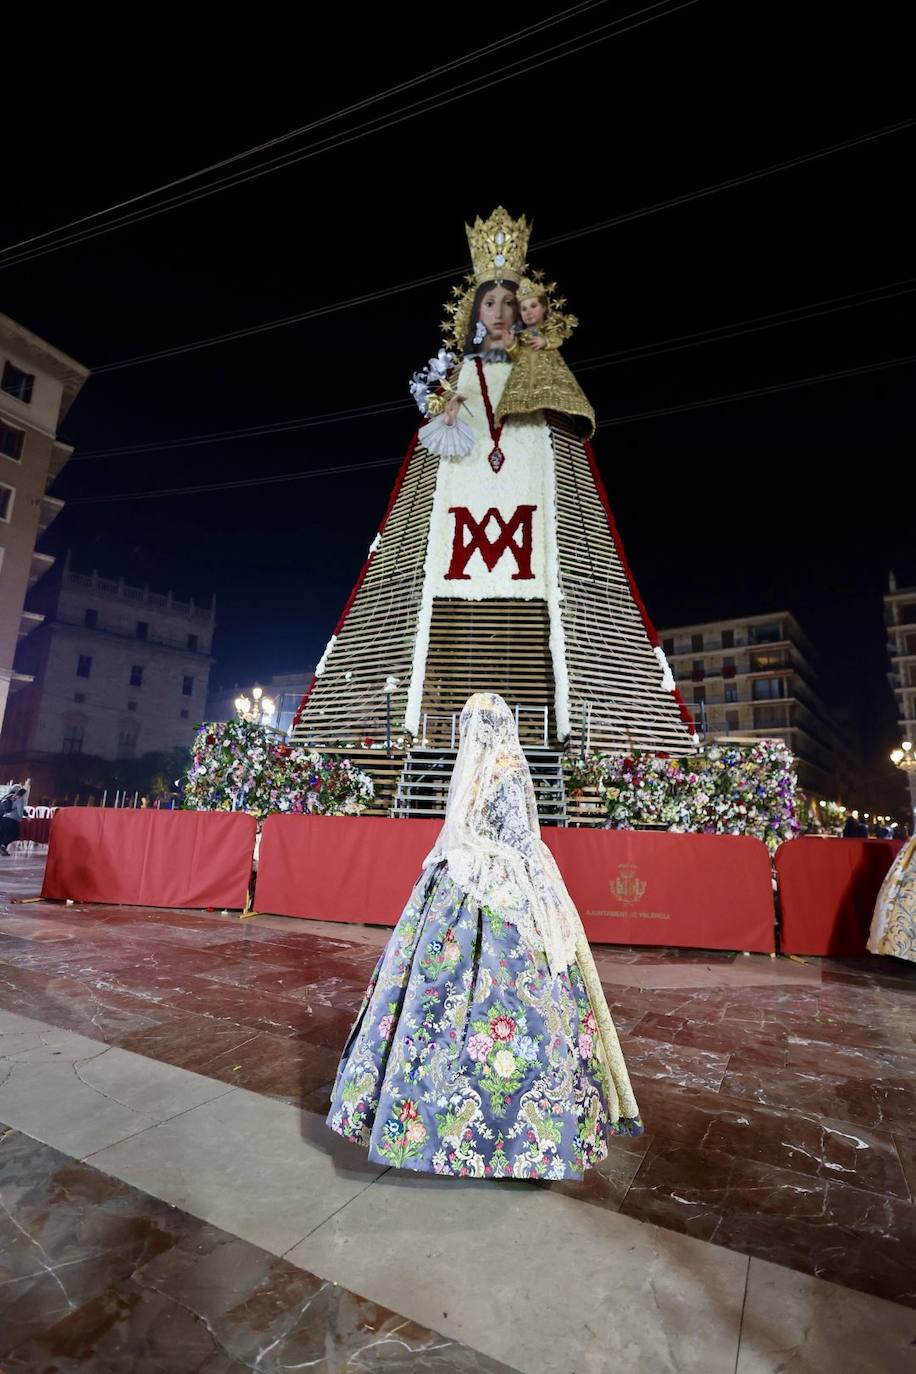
(589, 1022)
(479, 1046)
(385, 1026)
(585, 1045)
(416, 1131)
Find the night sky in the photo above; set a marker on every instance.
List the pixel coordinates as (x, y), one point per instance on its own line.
(798, 500)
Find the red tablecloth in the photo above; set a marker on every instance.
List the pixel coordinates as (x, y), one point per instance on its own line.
(142, 857)
(827, 891)
(631, 887)
(35, 828)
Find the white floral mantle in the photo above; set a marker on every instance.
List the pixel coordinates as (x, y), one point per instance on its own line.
(523, 493)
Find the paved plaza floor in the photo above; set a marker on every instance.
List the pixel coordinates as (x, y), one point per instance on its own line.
(171, 1200)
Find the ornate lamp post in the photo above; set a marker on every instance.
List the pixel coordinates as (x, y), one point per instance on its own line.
(257, 707)
(903, 759)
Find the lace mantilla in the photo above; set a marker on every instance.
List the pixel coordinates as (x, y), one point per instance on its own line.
(491, 838)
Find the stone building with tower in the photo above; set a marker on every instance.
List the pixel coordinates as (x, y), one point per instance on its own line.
(114, 670)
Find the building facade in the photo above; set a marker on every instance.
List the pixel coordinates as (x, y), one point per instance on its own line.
(755, 677)
(116, 671)
(900, 619)
(38, 384)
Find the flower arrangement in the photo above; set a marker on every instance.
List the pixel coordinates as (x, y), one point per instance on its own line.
(429, 379)
(237, 765)
(726, 789)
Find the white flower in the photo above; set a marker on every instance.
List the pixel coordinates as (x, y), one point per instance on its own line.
(419, 391)
(439, 366)
(504, 1063)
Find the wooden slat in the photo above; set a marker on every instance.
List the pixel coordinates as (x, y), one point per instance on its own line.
(611, 663)
(378, 634)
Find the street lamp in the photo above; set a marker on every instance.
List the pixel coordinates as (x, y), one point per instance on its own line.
(390, 687)
(257, 707)
(903, 759)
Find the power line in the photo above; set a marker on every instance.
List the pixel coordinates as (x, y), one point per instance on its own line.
(627, 217)
(249, 432)
(776, 319)
(381, 96)
(367, 299)
(425, 106)
(732, 182)
(757, 391)
(344, 468)
(337, 470)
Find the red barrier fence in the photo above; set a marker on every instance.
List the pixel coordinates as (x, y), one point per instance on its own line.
(341, 868)
(142, 857)
(631, 887)
(827, 891)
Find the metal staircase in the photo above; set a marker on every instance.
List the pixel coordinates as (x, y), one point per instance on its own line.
(423, 785)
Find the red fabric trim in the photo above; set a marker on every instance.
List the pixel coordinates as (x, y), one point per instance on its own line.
(649, 628)
(495, 432)
(398, 483)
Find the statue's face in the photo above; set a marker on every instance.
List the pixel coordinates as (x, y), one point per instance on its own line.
(497, 313)
(532, 311)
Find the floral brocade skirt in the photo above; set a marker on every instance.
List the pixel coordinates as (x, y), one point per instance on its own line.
(893, 927)
(468, 1058)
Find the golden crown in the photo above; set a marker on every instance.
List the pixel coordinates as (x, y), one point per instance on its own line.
(534, 286)
(498, 246)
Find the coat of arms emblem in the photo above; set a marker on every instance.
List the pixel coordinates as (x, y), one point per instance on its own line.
(627, 887)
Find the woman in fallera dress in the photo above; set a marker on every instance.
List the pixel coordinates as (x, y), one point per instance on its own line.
(893, 927)
(484, 1047)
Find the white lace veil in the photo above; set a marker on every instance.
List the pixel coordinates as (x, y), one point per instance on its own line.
(491, 838)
